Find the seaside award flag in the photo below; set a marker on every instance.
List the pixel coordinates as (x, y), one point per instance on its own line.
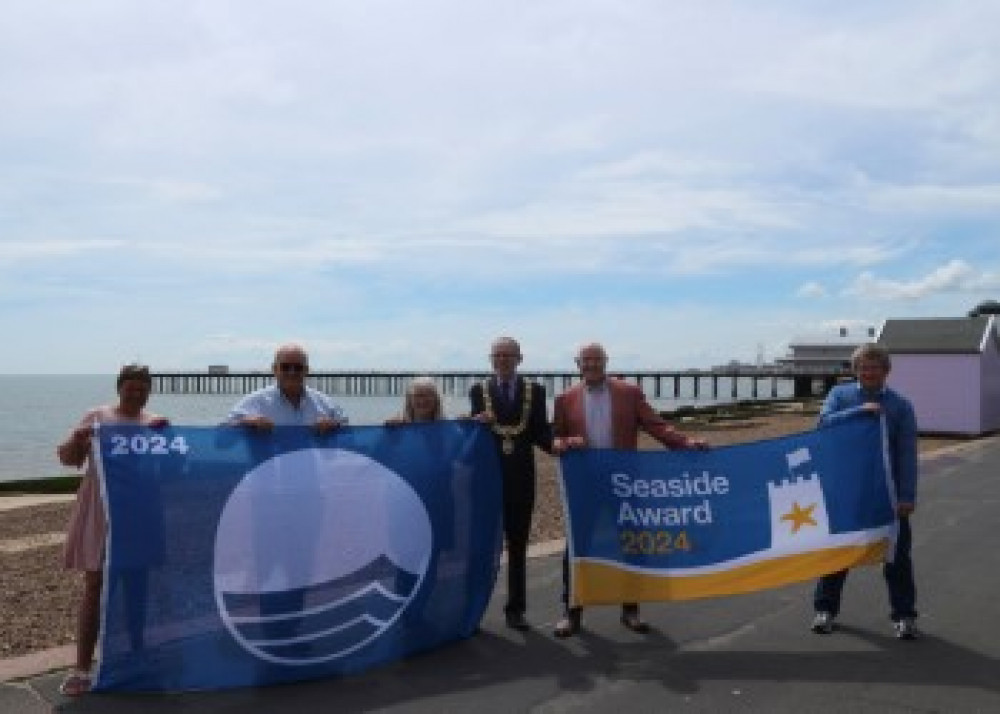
(237, 558)
(677, 525)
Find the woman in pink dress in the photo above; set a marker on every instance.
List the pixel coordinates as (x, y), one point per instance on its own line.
(85, 536)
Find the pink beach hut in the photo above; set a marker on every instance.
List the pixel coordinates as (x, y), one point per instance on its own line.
(950, 369)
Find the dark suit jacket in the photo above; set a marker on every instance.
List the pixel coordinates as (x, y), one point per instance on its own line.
(630, 413)
(521, 463)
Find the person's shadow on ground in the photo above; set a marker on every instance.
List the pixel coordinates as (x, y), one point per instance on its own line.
(488, 660)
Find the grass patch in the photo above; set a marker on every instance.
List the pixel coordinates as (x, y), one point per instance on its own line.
(34, 486)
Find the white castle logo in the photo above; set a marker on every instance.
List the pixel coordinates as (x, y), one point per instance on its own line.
(798, 509)
(318, 552)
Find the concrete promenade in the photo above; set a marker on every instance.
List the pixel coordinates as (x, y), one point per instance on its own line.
(736, 654)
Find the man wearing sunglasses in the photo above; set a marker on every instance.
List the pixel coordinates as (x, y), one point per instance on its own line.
(288, 402)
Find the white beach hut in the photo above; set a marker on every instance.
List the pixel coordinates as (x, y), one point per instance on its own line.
(950, 369)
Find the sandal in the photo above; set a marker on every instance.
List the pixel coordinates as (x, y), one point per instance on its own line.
(631, 621)
(570, 624)
(77, 682)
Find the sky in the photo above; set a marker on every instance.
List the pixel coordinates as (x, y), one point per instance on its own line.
(393, 184)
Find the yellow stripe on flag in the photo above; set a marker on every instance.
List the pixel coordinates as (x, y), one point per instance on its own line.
(602, 584)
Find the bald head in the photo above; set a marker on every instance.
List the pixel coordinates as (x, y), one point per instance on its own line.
(591, 350)
(291, 365)
(592, 361)
(290, 352)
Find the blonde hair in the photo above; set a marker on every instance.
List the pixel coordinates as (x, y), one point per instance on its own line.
(415, 385)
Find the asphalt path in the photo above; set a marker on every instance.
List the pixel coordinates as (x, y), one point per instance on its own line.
(745, 653)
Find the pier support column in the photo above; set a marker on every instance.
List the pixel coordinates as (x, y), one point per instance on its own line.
(803, 387)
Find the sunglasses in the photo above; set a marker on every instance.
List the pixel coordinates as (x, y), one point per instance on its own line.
(292, 367)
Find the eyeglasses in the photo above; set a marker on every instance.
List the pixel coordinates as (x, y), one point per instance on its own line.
(292, 367)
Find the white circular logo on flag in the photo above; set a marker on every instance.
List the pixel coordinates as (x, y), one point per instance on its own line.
(318, 552)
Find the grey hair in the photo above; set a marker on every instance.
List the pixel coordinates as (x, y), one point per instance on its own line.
(871, 351)
(422, 383)
(504, 340)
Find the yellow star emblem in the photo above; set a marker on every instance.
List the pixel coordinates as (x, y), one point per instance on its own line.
(800, 516)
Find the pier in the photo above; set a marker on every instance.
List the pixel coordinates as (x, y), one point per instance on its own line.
(718, 384)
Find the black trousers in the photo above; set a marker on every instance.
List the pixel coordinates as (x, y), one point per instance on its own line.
(898, 577)
(518, 505)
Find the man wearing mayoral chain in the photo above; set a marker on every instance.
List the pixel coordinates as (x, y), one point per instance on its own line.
(514, 408)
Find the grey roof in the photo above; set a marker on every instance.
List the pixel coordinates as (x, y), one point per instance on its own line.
(949, 335)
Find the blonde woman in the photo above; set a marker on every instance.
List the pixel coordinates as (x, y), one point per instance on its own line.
(423, 403)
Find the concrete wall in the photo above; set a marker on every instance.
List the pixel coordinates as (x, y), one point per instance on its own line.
(945, 390)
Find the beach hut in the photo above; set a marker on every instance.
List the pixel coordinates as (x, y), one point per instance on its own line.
(950, 369)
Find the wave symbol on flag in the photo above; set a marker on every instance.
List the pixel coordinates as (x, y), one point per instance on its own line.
(318, 553)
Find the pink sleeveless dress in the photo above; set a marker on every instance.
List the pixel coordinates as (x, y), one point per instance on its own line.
(87, 529)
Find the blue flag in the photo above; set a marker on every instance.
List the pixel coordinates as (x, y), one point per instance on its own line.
(237, 558)
(677, 525)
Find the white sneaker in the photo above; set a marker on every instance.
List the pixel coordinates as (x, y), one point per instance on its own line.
(906, 629)
(822, 623)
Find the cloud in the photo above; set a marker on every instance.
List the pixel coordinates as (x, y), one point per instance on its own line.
(168, 190)
(18, 251)
(636, 333)
(811, 290)
(966, 200)
(883, 58)
(411, 178)
(955, 276)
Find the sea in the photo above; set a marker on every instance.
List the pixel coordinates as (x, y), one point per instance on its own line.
(37, 411)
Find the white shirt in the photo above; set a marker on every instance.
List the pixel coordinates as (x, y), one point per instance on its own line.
(271, 403)
(597, 410)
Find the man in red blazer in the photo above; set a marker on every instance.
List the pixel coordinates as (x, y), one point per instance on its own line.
(606, 413)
